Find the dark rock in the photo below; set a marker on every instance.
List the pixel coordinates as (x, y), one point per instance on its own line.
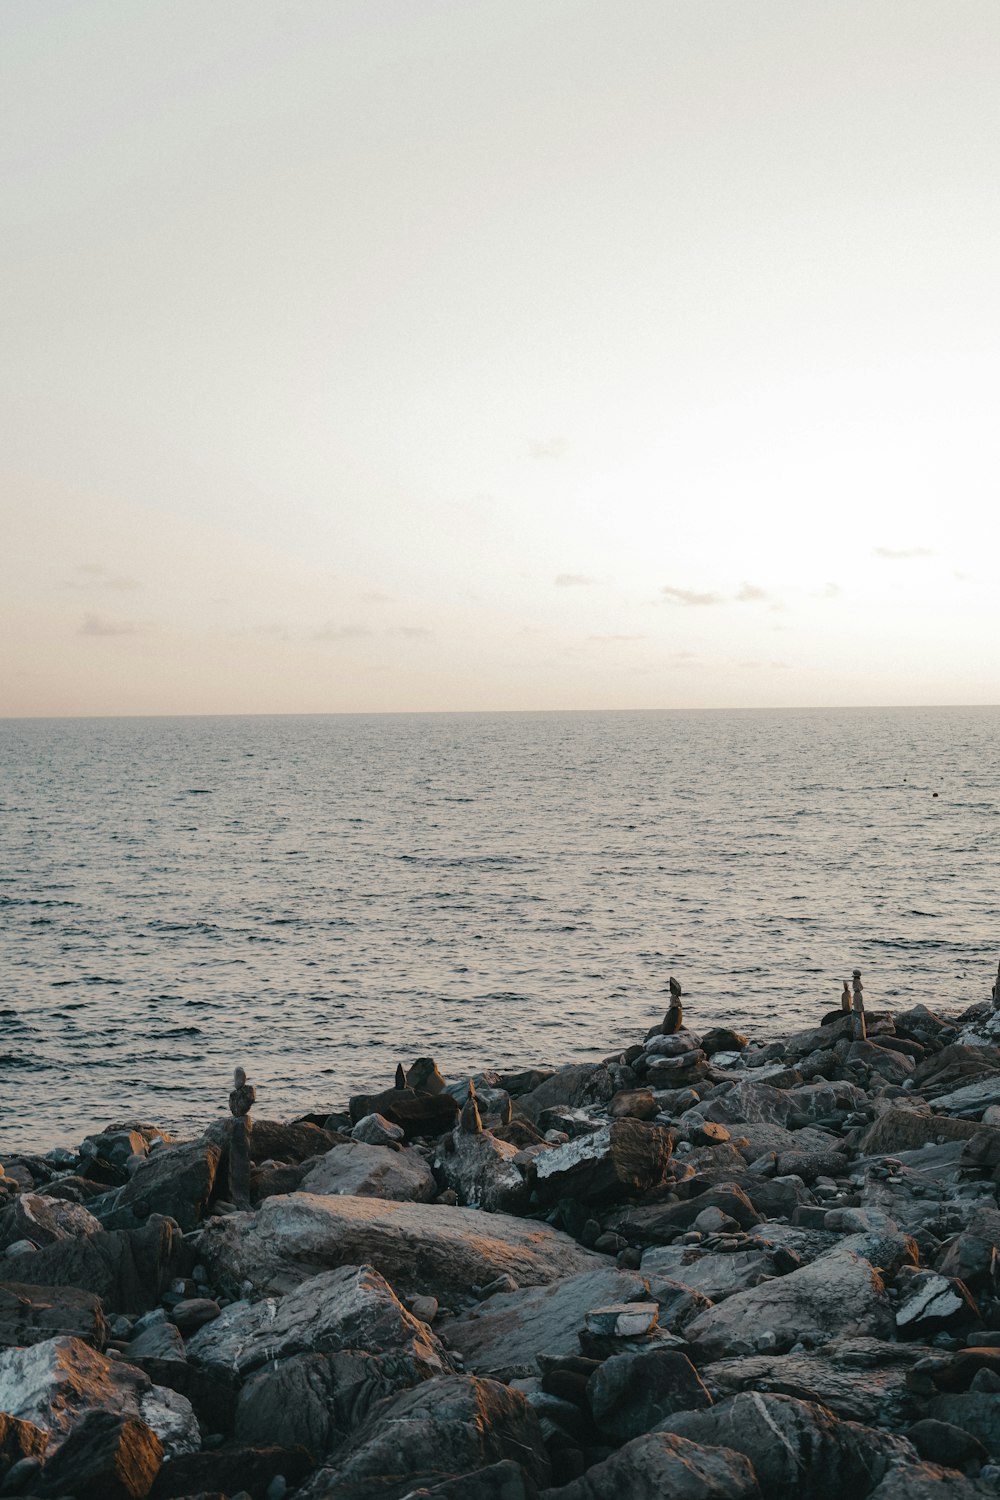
(453, 1425)
(425, 1077)
(128, 1269)
(29, 1314)
(909, 1129)
(626, 1158)
(722, 1039)
(929, 1302)
(633, 1104)
(630, 1393)
(358, 1170)
(578, 1085)
(859, 1379)
(943, 1443)
(270, 1182)
(298, 1141)
(176, 1181)
(417, 1114)
(483, 1171)
(975, 1412)
(232, 1469)
(661, 1464)
(44, 1221)
(972, 1254)
(798, 1449)
(19, 1441)
(659, 1223)
(106, 1457)
(193, 1313)
(503, 1481)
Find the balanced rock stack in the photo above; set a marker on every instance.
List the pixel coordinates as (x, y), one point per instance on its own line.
(703, 1267)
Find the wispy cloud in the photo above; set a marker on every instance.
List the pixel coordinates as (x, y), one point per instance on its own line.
(343, 633)
(691, 598)
(553, 447)
(610, 640)
(751, 594)
(97, 576)
(573, 581)
(375, 598)
(101, 625)
(411, 632)
(901, 554)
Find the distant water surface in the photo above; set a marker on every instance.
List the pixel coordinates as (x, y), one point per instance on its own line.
(318, 898)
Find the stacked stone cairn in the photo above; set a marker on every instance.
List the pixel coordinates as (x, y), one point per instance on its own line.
(704, 1267)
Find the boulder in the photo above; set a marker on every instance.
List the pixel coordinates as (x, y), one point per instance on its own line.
(503, 1337)
(660, 1222)
(661, 1464)
(630, 1393)
(924, 1481)
(624, 1159)
(158, 1339)
(722, 1039)
(798, 1449)
(633, 1104)
(352, 1307)
(909, 1129)
(943, 1443)
(292, 1143)
(416, 1114)
(751, 1103)
(128, 1269)
(176, 1181)
(31, 1314)
(376, 1130)
(838, 1295)
(417, 1247)
(105, 1457)
(32, 1216)
(453, 1425)
(235, 1469)
(363, 1171)
(55, 1384)
(975, 1412)
(578, 1085)
(708, 1273)
(20, 1440)
(972, 1254)
(929, 1302)
(482, 1170)
(503, 1481)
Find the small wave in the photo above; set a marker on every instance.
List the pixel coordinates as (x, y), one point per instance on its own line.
(29, 1064)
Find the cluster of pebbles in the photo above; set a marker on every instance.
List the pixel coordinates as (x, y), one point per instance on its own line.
(707, 1268)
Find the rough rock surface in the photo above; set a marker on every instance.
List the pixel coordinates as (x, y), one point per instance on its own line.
(417, 1247)
(31, 1314)
(624, 1158)
(662, 1464)
(359, 1170)
(105, 1457)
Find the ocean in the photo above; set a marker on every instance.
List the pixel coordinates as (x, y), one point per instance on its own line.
(319, 898)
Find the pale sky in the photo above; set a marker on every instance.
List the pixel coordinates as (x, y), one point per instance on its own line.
(484, 354)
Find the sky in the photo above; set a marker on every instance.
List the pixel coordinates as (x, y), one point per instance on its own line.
(498, 354)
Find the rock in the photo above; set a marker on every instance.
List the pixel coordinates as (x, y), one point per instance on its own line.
(975, 1412)
(349, 1308)
(924, 1481)
(503, 1481)
(623, 1320)
(425, 1077)
(32, 1314)
(376, 1130)
(55, 1384)
(930, 1302)
(417, 1247)
(678, 1304)
(860, 1380)
(798, 1449)
(453, 1425)
(715, 1276)
(20, 1442)
(973, 1099)
(633, 1104)
(630, 1393)
(505, 1336)
(981, 1153)
(943, 1443)
(838, 1295)
(722, 1039)
(157, 1340)
(812, 1164)
(483, 1171)
(660, 1222)
(751, 1103)
(972, 1254)
(909, 1129)
(43, 1221)
(577, 1085)
(416, 1114)
(424, 1309)
(194, 1312)
(661, 1464)
(176, 1181)
(105, 1457)
(128, 1269)
(295, 1142)
(363, 1171)
(233, 1470)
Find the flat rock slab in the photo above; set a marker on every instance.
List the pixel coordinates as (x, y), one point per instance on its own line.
(504, 1337)
(860, 1380)
(716, 1276)
(352, 1307)
(417, 1247)
(128, 1269)
(31, 1314)
(660, 1464)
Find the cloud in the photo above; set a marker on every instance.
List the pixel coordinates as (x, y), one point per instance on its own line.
(411, 632)
(901, 554)
(751, 594)
(689, 597)
(97, 576)
(553, 447)
(101, 625)
(343, 633)
(573, 581)
(375, 598)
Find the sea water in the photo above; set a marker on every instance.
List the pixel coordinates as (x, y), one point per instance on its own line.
(319, 898)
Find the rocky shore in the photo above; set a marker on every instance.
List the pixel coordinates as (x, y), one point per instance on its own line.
(705, 1267)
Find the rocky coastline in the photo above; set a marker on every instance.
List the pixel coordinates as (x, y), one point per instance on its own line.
(707, 1266)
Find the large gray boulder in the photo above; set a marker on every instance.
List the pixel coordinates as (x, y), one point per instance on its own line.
(32, 1314)
(128, 1269)
(176, 1181)
(352, 1307)
(449, 1426)
(43, 1220)
(839, 1295)
(504, 1336)
(621, 1160)
(417, 1247)
(660, 1465)
(359, 1170)
(631, 1392)
(798, 1450)
(55, 1384)
(482, 1170)
(715, 1275)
